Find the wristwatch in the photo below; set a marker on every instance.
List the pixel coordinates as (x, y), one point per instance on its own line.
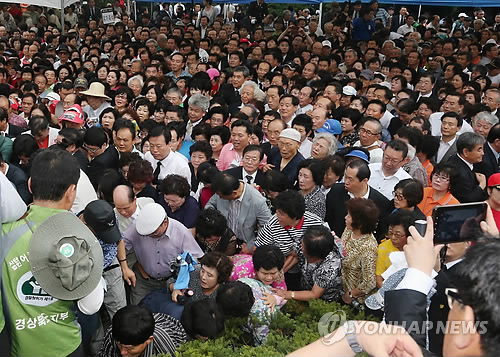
(350, 334)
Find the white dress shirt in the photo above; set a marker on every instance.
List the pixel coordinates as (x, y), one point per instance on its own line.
(174, 163)
(306, 148)
(244, 175)
(443, 148)
(385, 184)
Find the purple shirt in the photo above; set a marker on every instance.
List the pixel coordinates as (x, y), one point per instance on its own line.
(156, 254)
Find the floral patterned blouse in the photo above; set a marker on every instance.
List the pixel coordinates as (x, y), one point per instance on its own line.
(359, 263)
(260, 314)
(316, 202)
(350, 139)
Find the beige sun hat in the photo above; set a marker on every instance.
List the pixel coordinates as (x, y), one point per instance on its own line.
(96, 89)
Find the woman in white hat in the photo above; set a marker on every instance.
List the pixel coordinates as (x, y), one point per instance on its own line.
(97, 101)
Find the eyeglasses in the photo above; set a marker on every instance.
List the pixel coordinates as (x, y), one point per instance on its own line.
(251, 159)
(441, 178)
(392, 161)
(92, 151)
(390, 233)
(452, 295)
(367, 132)
(398, 196)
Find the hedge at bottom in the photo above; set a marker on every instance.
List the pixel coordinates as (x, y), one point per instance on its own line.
(296, 326)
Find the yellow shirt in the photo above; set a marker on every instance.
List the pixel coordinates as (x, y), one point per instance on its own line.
(383, 262)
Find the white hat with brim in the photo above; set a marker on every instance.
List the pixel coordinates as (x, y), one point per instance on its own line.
(462, 14)
(66, 258)
(96, 89)
(150, 218)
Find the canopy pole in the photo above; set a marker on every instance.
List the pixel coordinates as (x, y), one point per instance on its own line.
(320, 14)
(62, 17)
(419, 11)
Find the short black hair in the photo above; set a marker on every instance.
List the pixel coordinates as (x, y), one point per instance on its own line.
(402, 217)
(318, 241)
(291, 202)
(210, 222)
(303, 120)
(398, 145)
(364, 214)
(161, 131)
(413, 191)
(254, 148)
(203, 318)
(95, 136)
(235, 298)
(245, 123)
(457, 116)
(203, 147)
(121, 123)
(53, 171)
(223, 183)
(223, 132)
(206, 172)
(335, 163)
(133, 325)
(316, 168)
(221, 262)
(175, 185)
(268, 257)
(363, 169)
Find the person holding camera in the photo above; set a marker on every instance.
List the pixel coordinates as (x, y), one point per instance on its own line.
(204, 280)
(157, 240)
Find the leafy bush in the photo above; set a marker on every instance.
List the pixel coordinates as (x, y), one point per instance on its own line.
(294, 327)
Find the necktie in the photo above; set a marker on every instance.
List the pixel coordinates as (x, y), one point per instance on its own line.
(249, 179)
(157, 172)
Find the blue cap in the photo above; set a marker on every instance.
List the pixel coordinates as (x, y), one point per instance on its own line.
(359, 154)
(331, 126)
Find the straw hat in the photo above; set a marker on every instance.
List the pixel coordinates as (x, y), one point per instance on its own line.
(96, 89)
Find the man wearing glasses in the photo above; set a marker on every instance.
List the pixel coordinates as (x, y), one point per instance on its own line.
(369, 135)
(385, 175)
(249, 171)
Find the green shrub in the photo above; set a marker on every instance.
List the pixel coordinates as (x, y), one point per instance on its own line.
(294, 327)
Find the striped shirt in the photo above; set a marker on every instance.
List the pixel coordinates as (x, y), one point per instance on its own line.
(168, 335)
(286, 239)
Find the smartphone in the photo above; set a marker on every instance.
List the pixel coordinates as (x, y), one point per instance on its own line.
(458, 223)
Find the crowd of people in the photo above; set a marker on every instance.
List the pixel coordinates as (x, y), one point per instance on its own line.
(229, 161)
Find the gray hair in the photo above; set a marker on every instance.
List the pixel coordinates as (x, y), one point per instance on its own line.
(389, 41)
(491, 119)
(199, 101)
(352, 51)
(257, 92)
(135, 78)
(242, 69)
(152, 40)
(175, 90)
(469, 141)
(332, 142)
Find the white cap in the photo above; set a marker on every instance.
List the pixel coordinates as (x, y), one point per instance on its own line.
(150, 218)
(290, 133)
(491, 41)
(462, 14)
(326, 43)
(349, 90)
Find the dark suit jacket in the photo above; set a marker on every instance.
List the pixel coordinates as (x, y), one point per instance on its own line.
(237, 172)
(87, 16)
(336, 209)
(231, 96)
(20, 180)
(291, 170)
(489, 165)
(452, 151)
(467, 187)
(395, 22)
(14, 131)
(96, 167)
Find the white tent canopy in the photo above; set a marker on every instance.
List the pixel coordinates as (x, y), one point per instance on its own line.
(56, 4)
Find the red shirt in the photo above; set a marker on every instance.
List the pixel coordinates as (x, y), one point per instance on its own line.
(43, 144)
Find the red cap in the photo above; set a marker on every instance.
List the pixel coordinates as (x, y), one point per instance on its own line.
(245, 40)
(494, 180)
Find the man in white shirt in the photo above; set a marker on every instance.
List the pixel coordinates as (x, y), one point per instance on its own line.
(454, 102)
(163, 160)
(408, 26)
(127, 206)
(303, 124)
(385, 175)
(451, 123)
(306, 97)
(369, 135)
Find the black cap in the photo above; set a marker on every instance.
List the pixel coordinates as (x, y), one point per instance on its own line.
(62, 48)
(99, 216)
